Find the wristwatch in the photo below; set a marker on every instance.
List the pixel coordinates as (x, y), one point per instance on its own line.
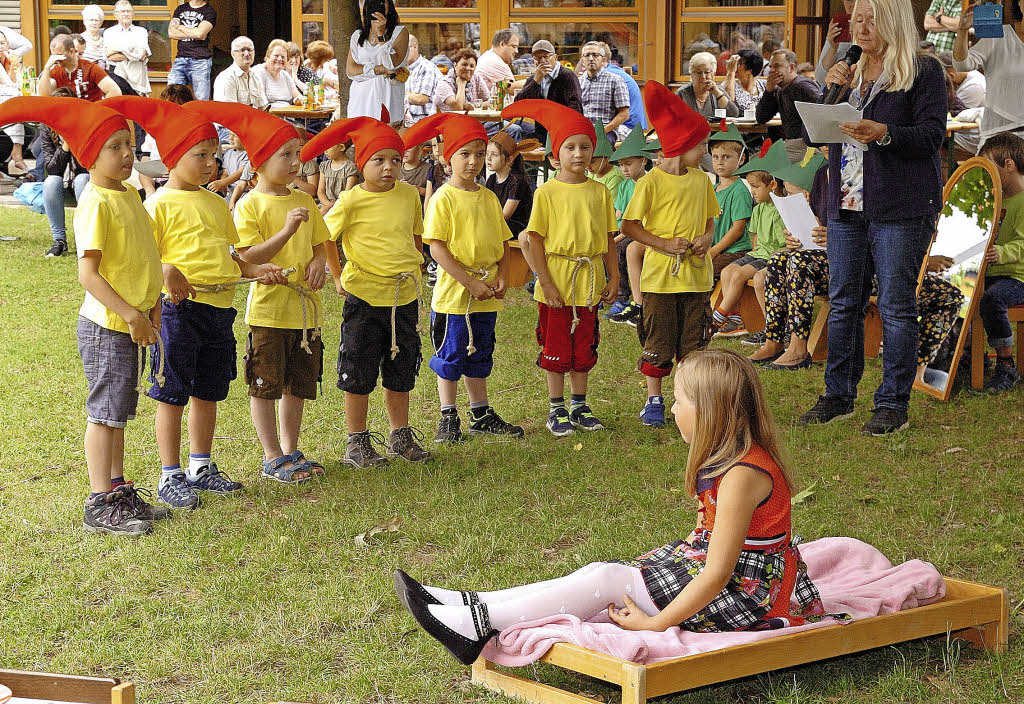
(886, 139)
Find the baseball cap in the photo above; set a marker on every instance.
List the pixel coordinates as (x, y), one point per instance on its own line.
(542, 45)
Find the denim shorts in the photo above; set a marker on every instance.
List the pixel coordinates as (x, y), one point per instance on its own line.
(199, 353)
(751, 260)
(111, 362)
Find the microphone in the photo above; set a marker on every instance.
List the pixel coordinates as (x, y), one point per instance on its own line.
(835, 90)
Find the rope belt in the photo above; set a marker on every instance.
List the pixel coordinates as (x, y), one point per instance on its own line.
(678, 260)
(481, 275)
(398, 279)
(580, 262)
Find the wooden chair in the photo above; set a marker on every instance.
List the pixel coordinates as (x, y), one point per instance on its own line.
(749, 308)
(67, 688)
(974, 612)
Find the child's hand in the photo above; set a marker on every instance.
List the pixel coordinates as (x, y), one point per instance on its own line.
(500, 287)
(268, 274)
(820, 235)
(295, 217)
(792, 242)
(611, 290)
(676, 245)
(701, 245)
(325, 207)
(630, 617)
(552, 298)
(315, 275)
(479, 290)
(218, 186)
(178, 287)
(154, 316)
(141, 328)
(992, 255)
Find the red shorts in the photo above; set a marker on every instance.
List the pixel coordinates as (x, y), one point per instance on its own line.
(560, 350)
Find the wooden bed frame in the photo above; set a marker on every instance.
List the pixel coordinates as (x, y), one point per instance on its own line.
(973, 612)
(67, 688)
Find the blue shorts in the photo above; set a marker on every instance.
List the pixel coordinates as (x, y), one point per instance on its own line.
(199, 353)
(448, 333)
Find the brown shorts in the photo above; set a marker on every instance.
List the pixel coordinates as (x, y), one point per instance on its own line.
(276, 364)
(672, 326)
(725, 259)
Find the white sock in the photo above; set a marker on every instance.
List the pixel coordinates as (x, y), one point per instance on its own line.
(195, 463)
(457, 618)
(447, 597)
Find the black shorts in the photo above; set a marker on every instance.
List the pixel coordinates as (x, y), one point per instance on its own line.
(365, 350)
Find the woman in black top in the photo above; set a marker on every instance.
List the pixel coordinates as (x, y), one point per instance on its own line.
(509, 180)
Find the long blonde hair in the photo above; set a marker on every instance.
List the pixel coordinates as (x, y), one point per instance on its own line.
(731, 414)
(897, 29)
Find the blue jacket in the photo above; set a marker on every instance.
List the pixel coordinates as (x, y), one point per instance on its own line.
(904, 179)
(636, 98)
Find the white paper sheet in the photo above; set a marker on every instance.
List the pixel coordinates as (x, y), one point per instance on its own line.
(798, 218)
(822, 122)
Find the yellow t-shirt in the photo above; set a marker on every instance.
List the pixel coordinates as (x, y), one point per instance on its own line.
(115, 224)
(674, 206)
(194, 233)
(377, 233)
(260, 216)
(473, 227)
(574, 219)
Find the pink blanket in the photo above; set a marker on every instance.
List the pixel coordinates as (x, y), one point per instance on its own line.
(852, 576)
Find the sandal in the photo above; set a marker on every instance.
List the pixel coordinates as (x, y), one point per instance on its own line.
(300, 461)
(276, 470)
(804, 363)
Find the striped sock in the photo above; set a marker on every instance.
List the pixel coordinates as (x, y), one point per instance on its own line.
(556, 403)
(735, 318)
(578, 400)
(718, 317)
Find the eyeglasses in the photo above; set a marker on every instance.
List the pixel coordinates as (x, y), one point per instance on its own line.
(244, 51)
(589, 55)
(706, 72)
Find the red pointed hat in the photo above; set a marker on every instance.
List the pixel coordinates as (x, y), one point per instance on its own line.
(561, 122)
(175, 129)
(368, 135)
(84, 126)
(679, 127)
(456, 131)
(261, 133)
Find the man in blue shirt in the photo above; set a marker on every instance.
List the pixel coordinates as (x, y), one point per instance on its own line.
(636, 100)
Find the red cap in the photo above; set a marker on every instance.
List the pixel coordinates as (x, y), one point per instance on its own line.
(456, 131)
(175, 130)
(84, 126)
(561, 122)
(261, 133)
(680, 127)
(369, 136)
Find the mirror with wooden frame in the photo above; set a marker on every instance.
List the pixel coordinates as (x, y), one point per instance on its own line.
(949, 290)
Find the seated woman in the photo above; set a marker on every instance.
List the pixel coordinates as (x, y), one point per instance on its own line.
(739, 569)
(62, 172)
(277, 82)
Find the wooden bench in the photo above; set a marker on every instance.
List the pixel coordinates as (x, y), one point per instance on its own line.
(979, 343)
(48, 687)
(973, 612)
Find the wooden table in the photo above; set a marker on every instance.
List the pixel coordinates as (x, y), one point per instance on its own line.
(300, 112)
(484, 115)
(952, 127)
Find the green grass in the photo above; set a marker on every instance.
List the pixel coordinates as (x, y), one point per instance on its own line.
(268, 597)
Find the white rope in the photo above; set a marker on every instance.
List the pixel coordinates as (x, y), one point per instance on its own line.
(580, 262)
(398, 279)
(480, 275)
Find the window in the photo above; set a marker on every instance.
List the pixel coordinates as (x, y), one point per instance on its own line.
(575, 3)
(444, 37)
(569, 37)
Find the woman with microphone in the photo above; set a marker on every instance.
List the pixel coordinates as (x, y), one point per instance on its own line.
(885, 193)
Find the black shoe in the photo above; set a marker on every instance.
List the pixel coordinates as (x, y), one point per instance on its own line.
(531, 285)
(57, 249)
(113, 513)
(465, 650)
(405, 585)
(1004, 379)
(802, 364)
(886, 421)
(757, 339)
(449, 429)
(144, 510)
(826, 410)
(493, 424)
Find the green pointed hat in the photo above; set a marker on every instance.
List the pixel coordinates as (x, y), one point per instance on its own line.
(603, 146)
(771, 159)
(727, 134)
(547, 145)
(653, 146)
(633, 145)
(802, 174)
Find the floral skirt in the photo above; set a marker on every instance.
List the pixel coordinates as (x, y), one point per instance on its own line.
(746, 602)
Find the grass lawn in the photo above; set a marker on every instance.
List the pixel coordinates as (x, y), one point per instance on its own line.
(268, 596)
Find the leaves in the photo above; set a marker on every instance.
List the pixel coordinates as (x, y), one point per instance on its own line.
(578, 446)
(804, 495)
(391, 525)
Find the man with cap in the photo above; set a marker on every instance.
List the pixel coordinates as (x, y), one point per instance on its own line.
(551, 81)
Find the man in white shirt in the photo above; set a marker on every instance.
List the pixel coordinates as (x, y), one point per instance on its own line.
(495, 63)
(127, 48)
(236, 84)
(970, 88)
(419, 89)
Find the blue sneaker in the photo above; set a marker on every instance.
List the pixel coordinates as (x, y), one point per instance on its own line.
(211, 479)
(653, 414)
(174, 491)
(583, 418)
(531, 285)
(559, 423)
(615, 309)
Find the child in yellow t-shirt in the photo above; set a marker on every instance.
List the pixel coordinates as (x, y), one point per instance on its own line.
(468, 238)
(194, 234)
(278, 225)
(377, 223)
(672, 212)
(570, 245)
(119, 268)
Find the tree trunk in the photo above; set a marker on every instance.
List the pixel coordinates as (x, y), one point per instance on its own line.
(343, 19)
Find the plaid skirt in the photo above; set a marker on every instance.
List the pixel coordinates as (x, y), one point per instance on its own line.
(746, 601)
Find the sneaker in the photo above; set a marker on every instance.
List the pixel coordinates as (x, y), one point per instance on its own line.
(531, 285)
(175, 492)
(360, 452)
(583, 418)
(403, 443)
(493, 424)
(885, 421)
(210, 478)
(144, 510)
(757, 339)
(111, 513)
(431, 273)
(1003, 379)
(653, 414)
(615, 309)
(732, 329)
(57, 249)
(826, 410)
(629, 315)
(559, 423)
(449, 429)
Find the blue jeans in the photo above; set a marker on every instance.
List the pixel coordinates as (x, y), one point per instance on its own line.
(53, 202)
(517, 130)
(194, 71)
(1001, 292)
(894, 251)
